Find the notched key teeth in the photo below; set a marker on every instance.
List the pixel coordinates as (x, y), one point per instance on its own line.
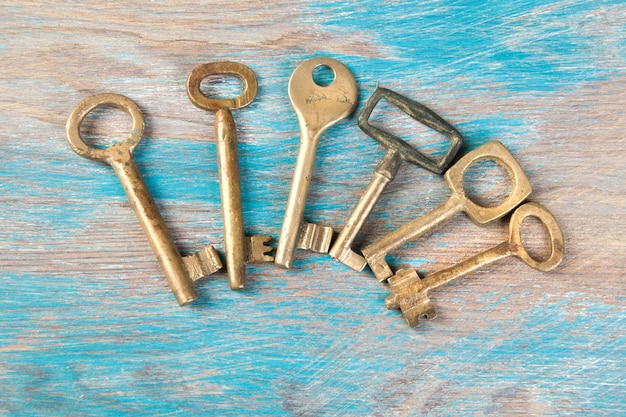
(202, 263)
(410, 295)
(314, 237)
(412, 315)
(400, 284)
(257, 250)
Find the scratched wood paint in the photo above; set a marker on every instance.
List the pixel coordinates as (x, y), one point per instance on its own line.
(87, 323)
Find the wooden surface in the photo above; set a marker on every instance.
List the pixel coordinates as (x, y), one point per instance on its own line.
(87, 324)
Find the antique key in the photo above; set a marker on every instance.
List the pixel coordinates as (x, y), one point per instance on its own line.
(180, 273)
(410, 293)
(317, 107)
(458, 202)
(397, 151)
(239, 247)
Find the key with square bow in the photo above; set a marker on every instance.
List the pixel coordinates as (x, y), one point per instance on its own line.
(458, 202)
(397, 152)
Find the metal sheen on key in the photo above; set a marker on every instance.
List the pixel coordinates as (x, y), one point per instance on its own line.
(317, 108)
(239, 247)
(410, 292)
(179, 272)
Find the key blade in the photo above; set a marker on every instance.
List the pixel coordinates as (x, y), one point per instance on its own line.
(257, 250)
(314, 237)
(202, 263)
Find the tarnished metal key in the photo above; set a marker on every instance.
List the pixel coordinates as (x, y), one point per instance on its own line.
(385, 172)
(179, 273)
(317, 107)
(458, 202)
(410, 293)
(239, 247)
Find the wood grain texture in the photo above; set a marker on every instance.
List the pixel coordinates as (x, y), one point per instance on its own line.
(87, 324)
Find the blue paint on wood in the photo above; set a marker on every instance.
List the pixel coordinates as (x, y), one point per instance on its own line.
(527, 47)
(277, 368)
(84, 333)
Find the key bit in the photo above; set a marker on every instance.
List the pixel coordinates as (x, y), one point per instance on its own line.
(410, 293)
(314, 237)
(257, 250)
(317, 107)
(202, 263)
(411, 296)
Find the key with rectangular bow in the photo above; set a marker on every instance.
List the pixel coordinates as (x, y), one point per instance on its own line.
(397, 152)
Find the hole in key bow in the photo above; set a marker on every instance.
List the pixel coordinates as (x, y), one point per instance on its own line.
(323, 75)
(221, 86)
(487, 183)
(391, 119)
(105, 125)
(535, 238)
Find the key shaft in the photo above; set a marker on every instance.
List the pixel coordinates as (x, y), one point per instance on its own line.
(467, 266)
(294, 213)
(230, 193)
(376, 252)
(154, 227)
(384, 173)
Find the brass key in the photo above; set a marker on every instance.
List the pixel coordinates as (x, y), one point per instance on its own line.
(410, 293)
(239, 247)
(179, 273)
(458, 202)
(385, 172)
(318, 108)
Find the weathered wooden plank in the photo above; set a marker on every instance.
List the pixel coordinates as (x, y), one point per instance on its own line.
(88, 325)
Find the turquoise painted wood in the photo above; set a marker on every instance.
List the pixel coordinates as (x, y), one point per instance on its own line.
(87, 324)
